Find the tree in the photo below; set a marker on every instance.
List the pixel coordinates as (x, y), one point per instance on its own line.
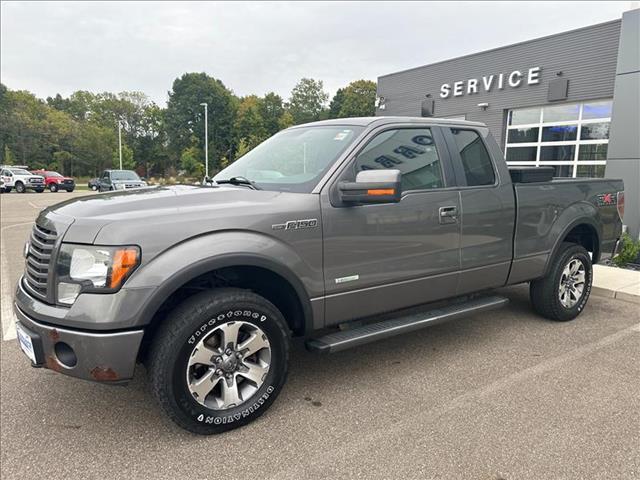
(127, 158)
(249, 124)
(358, 99)
(336, 104)
(191, 161)
(185, 115)
(307, 101)
(272, 110)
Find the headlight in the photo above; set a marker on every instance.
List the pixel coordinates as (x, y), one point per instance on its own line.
(120, 186)
(88, 268)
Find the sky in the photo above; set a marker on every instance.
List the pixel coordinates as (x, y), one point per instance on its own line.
(254, 48)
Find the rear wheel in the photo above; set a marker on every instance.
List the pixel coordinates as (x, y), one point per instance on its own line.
(20, 187)
(39, 190)
(53, 187)
(219, 360)
(564, 292)
(7, 189)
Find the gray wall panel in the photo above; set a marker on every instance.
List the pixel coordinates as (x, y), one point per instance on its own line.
(587, 57)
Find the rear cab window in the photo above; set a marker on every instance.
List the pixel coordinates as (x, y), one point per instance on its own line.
(476, 162)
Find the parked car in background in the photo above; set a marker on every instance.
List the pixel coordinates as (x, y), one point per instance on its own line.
(54, 181)
(119, 180)
(18, 177)
(93, 184)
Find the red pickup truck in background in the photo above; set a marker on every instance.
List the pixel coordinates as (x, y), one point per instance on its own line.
(54, 181)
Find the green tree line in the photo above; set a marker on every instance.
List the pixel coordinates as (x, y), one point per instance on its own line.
(78, 135)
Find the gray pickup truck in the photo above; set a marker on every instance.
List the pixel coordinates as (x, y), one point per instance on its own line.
(342, 232)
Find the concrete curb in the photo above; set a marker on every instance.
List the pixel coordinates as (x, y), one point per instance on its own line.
(618, 283)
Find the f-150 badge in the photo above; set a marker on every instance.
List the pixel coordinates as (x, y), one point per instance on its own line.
(296, 224)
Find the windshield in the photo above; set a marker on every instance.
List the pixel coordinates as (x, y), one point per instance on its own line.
(293, 160)
(20, 171)
(124, 175)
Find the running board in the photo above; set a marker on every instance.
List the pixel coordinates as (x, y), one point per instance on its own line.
(342, 340)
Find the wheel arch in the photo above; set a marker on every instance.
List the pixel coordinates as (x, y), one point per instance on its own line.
(583, 231)
(264, 276)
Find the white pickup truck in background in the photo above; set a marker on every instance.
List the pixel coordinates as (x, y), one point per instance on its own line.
(18, 177)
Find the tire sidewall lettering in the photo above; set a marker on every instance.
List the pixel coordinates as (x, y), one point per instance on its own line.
(206, 416)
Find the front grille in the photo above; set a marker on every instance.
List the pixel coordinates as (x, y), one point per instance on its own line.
(38, 258)
(36, 180)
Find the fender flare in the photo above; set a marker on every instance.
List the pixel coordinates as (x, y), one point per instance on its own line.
(194, 270)
(580, 221)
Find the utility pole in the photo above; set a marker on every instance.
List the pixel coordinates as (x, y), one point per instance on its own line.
(120, 141)
(206, 141)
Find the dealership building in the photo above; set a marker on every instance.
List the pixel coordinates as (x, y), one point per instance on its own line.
(569, 100)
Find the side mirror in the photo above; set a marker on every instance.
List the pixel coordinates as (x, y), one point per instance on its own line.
(372, 186)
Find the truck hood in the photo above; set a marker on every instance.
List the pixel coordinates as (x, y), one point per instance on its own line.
(158, 202)
(157, 218)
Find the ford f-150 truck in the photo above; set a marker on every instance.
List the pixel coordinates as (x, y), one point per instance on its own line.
(342, 232)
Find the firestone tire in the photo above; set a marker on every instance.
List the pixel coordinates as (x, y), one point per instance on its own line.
(558, 297)
(178, 341)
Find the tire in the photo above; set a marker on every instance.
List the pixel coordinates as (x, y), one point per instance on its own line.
(94, 187)
(39, 190)
(19, 186)
(205, 318)
(7, 189)
(69, 190)
(53, 188)
(562, 294)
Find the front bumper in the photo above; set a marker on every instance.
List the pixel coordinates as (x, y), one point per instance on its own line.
(102, 357)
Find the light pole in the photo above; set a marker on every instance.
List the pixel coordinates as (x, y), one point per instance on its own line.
(120, 142)
(206, 142)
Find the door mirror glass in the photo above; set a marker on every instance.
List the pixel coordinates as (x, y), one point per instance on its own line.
(372, 186)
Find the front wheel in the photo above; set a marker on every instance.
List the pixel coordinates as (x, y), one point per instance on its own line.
(219, 360)
(20, 187)
(53, 188)
(563, 293)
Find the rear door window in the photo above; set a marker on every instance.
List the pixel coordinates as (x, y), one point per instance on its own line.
(476, 161)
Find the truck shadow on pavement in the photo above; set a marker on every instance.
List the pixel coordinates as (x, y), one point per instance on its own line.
(435, 362)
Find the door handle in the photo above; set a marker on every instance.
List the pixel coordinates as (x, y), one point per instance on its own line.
(448, 214)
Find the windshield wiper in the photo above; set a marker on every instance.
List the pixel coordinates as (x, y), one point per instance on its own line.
(240, 181)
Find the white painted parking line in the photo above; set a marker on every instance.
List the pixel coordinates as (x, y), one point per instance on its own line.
(7, 317)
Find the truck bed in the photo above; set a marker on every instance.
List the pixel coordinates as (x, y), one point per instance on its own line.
(546, 211)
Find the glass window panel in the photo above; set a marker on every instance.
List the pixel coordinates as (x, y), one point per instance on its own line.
(561, 113)
(595, 171)
(412, 151)
(476, 161)
(563, 170)
(524, 116)
(559, 133)
(593, 152)
(597, 110)
(557, 153)
(595, 131)
(522, 135)
(521, 154)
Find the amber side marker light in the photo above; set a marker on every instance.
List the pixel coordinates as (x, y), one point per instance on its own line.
(381, 191)
(124, 261)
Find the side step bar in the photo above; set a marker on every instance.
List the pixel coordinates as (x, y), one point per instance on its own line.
(335, 342)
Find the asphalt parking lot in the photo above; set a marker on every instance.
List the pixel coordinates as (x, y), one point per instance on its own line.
(501, 395)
